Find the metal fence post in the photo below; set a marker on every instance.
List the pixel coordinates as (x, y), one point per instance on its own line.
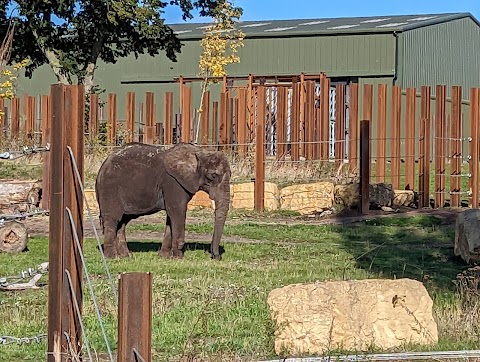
(364, 166)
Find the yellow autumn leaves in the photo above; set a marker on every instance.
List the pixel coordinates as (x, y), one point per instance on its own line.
(8, 76)
(221, 42)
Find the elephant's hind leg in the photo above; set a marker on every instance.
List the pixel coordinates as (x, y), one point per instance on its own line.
(166, 248)
(121, 245)
(110, 238)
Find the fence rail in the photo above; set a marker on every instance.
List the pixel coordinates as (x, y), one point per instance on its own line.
(415, 137)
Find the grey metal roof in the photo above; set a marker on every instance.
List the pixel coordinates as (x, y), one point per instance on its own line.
(332, 26)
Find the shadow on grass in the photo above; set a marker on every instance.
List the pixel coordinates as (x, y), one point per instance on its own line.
(419, 248)
(148, 247)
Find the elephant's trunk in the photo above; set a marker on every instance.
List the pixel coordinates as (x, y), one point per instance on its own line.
(221, 196)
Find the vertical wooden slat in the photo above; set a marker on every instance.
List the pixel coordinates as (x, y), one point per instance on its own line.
(455, 147)
(224, 120)
(310, 120)
(381, 133)
(149, 117)
(365, 163)
(167, 119)
(205, 117)
(353, 128)
(295, 123)
(250, 109)
(474, 145)
(424, 164)
(186, 114)
(368, 108)
(135, 317)
(46, 138)
(15, 120)
(410, 139)
(215, 123)
(395, 152)
(112, 119)
(130, 115)
(25, 113)
(324, 118)
(340, 124)
(260, 152)
(93, 116)
(282, 122)
(242, 121)
(301, 115)
(440, 146)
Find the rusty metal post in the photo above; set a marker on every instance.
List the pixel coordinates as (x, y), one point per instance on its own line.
(282, 113)
(46, 138)
(353, 128)
(15, 121)
(149, 117)
(324, 118)
(259, 190)
(112, 119)
(295, 122)
(205, 118)
(67, 103)
(242, 121)
(364, 166)
(340, 124)
(424, 164)
(456, 147)
(135, 317)
(186, 99)
(410, 139)
(474, 145)
(396, 139)
(130, 115)
(215, 123)
(224, 120)
(167, 119)
(381, 133)
(440, 126)
(93, 116)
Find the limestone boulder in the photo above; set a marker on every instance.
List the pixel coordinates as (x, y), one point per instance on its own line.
(200, 200)
(380, 194)
(467, 235)
(307, 198)
(406, 198)
(242, 196)
(351, 315)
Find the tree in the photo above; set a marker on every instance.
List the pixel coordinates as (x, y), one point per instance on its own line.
(71, 36)
(8, 74)
(220, 44)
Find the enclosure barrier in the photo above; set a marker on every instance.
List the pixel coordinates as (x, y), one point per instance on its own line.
(421, 141)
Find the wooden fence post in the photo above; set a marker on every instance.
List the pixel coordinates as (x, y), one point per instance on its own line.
(130, 116)
(149, 117)
(324, 118)
(186, 113)
(410, 139)
(205, 118)
(167, 119)
(340, 124)
(424, 160)
(260, 151)
(396, 136)
(15, 122)
(440, 146)
(224, 120)
(381, 133)
(112, 119)
(295, 122)
(242, 121)
(474, 145)
(2, 118)
(46, 138)
(93, 116)
(365, 166)
(309, 140)
(67, 130)
(282, 113)
(456, 147)
(353, 128)
(135, 317)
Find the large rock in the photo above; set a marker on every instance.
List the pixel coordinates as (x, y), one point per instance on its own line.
(467, 235)
(242, 196)
(380, 194)
(352, 315)
(406, 198)
(200, 200)
(307, 198)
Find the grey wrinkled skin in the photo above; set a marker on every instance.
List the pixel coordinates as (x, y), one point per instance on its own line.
(141, 179)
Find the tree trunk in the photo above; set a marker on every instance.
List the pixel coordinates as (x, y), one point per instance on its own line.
(19, 196)
(88, 80)
(13, 237)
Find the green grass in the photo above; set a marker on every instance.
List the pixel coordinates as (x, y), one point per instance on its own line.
(211, 309)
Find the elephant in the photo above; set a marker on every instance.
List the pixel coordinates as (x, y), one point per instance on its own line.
(141, 179)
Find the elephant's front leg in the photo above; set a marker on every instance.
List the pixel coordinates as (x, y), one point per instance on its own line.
(178, 234)
(166, 248)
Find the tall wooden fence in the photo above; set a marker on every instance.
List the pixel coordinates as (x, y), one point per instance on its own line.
(423, 141)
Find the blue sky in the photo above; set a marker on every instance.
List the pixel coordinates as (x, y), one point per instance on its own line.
(307, 9)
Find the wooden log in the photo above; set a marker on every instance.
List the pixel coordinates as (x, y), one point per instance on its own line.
(13, 237)
(19, 196)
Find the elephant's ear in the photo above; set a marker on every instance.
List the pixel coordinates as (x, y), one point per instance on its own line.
(183, 167)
